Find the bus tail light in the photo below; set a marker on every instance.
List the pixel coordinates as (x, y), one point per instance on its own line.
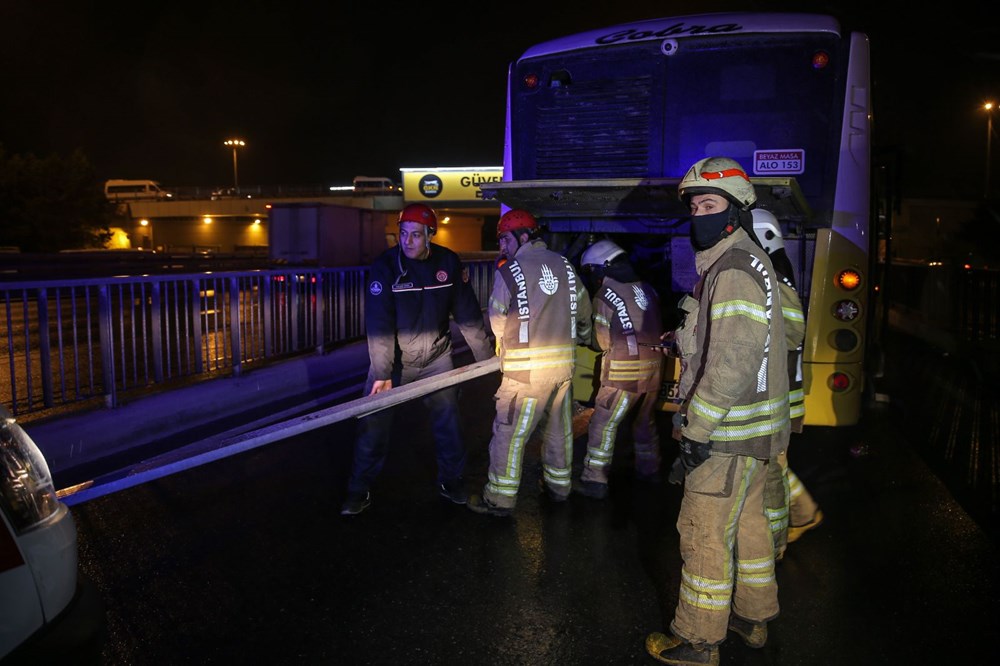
(839, 382)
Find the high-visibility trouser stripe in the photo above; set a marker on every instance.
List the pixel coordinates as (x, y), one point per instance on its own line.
(756, 573)
(706, 593)
(601, 320)
(562, 476)
(795, 487)
(511, 479)
(710, 593)
(739, 308)
(601, 454)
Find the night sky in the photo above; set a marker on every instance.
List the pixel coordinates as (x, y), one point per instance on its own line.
(321, 92)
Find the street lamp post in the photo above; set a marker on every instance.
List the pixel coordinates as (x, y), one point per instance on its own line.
(989, 140)
(235, 143)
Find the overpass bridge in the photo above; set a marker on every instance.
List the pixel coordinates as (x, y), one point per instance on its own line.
(202, 219)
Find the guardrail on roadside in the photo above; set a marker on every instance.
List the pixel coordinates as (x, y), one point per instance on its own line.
(73, 344)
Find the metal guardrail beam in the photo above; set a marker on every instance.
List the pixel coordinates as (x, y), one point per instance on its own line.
(221, 446)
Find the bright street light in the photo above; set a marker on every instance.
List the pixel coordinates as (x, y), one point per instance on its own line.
(235, 143)
(989, 140)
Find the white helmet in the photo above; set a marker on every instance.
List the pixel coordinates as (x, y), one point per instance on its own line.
(767, 230)
(600, 253)
(718, 175)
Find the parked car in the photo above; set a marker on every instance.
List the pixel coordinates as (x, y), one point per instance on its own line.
(48, 611)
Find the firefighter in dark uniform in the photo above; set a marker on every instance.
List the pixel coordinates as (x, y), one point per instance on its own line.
(627, 329)
(539, 311)
(414, 289)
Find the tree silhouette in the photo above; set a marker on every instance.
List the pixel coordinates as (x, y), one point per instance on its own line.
(51, 204)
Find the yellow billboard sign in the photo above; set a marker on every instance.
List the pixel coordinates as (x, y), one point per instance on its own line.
(437, 185)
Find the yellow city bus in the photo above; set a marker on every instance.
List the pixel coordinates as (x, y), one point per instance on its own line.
(602, 125)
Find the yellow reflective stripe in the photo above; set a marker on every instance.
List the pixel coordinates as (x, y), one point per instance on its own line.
(796, 403)
(702, 408)
(622, 364)
(731, 433)
(757, 409)
(602, 456)
(778, 518)
(795, 487)
(756, 572)
(507, 484)
(739, 309)
(533, 352)
(601, 319)
(499, 306)
(521, 366)
(793, 314)
(706, 593)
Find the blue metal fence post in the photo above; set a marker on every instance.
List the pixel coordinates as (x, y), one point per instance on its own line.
(234, 325)
(45, 346)
(107, 344)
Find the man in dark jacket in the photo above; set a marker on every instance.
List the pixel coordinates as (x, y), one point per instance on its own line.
(413, 291)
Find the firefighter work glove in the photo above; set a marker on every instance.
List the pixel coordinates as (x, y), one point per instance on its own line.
(693, 453)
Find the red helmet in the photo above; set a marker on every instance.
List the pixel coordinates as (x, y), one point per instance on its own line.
(516, 219)
(420, 214)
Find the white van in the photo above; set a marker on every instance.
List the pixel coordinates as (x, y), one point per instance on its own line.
(47, 608)
(119, 190)
(374, 185)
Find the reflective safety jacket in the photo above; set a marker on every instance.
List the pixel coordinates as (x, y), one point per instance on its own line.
(627, 322)
(795, 335)
(409, 305)
(739, 378)
(539, 311)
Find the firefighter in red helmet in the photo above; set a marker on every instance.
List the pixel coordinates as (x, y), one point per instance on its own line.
(414, 290)
(539, 311)
(510, 224)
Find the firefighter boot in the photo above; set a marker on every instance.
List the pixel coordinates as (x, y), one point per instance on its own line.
(795, 532)
(479, 504)
(591, 489)
(673, 650)
(754, 634)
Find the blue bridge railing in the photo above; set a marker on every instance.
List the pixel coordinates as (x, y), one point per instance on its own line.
(73, 344)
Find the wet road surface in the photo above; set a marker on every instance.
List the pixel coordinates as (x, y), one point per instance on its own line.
(247, 560)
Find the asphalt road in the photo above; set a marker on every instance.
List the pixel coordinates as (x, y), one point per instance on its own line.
(247, 560)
